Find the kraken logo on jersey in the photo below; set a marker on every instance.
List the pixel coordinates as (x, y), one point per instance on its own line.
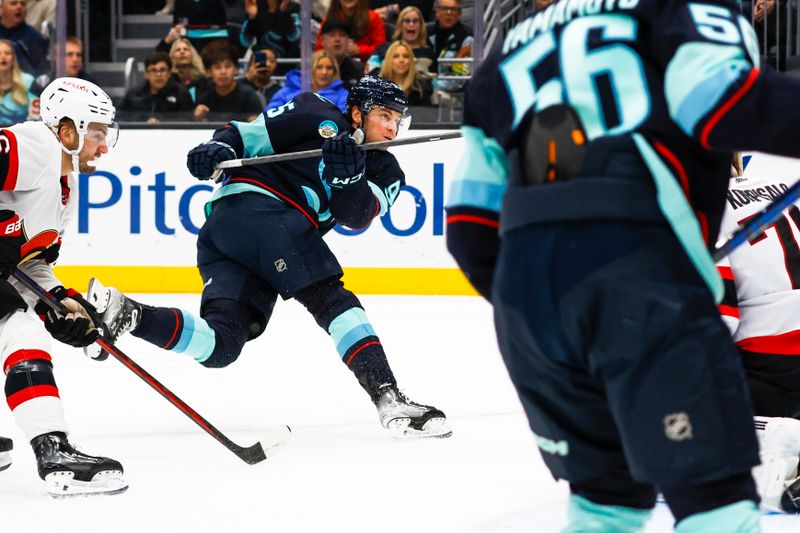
(328, 129)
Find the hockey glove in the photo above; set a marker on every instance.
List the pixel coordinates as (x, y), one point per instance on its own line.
(202, 159)
(78, 327)
(344, 161)
(11, 240)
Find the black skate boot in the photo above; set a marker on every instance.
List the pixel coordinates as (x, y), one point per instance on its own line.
(118, 314)
(69, 472)
(6, 445)
(406, 419)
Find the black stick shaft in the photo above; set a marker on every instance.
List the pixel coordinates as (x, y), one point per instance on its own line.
(235, 163)
(251, 455)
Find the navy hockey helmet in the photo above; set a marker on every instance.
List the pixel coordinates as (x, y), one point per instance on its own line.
(371, 92)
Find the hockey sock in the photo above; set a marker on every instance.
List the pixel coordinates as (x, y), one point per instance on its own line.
(585, 515)
(178, 331)
(32, 393)
(339, 312)
(361, 350)
(738, 517)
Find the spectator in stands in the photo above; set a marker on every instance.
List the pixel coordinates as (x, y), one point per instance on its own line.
(259, 75)
(160, 97)
(388, 9)
(30, 46)
(450, 38)
(200, 21)
(73, 52)
(187, 68)
(39, 12)
(334, 35)
(17, 99)
(274, 24)
(410, 30)
(366, 27)
(324, 81)
(399, 68)
(227, 99)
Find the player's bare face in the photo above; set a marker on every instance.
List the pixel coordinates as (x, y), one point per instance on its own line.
(401, 61)
(381, 124)
(6, 57)
(95, 144)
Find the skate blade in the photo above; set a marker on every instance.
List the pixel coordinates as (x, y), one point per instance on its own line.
(63, 484)
(98, 295)
(435, 428)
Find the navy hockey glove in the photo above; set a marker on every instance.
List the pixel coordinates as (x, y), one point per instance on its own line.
(11, 240)
(202, 159)
(344, 161)
(78, 327)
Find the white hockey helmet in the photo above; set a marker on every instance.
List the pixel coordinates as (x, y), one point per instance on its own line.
(79, 100)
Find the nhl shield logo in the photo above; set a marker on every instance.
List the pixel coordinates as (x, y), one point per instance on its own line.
(677, 426)
(328, 129)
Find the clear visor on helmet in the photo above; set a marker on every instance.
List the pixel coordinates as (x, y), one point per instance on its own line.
(103, 134)
(385, 118)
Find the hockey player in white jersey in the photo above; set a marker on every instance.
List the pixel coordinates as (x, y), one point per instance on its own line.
(39, 162)
(762, 299)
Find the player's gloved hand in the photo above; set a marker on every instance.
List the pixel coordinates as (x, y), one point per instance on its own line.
(202, 159)
(344, 161)
(78, 327)
(11, 240)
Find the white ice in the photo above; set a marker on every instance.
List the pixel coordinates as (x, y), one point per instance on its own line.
(341, 471)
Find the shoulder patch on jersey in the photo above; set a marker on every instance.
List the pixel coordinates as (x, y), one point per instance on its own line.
(9, 160)
(328, 129)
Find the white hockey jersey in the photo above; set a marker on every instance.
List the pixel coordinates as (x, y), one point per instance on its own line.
(762, 277)
(32, 185)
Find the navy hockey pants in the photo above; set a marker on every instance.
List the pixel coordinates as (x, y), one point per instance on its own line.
(620, 357)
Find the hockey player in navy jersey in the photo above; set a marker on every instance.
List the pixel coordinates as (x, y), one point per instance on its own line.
(263, 238)
(603, 132)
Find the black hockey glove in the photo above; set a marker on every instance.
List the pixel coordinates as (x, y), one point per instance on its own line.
(202, 159)
(11, 240)
(78, 327)
(344, 161)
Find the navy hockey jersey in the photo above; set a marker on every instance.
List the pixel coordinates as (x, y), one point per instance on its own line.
(303, 124)
(664, 90)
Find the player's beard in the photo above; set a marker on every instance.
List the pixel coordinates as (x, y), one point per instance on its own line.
(87, 167)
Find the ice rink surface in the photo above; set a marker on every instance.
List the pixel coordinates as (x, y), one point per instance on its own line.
(340, 472)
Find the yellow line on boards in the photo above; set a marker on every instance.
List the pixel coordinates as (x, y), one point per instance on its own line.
(171, 279)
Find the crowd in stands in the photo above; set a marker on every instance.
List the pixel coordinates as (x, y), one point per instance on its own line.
(211, 68)
(235, 70)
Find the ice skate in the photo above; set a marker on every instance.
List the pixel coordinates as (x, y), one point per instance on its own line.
(118, 314)
(68, 472)
(779, 443)
(406, 419)
(6, 445)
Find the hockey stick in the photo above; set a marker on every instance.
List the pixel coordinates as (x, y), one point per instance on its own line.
(758, 223)
(250, 455)
(235, 163)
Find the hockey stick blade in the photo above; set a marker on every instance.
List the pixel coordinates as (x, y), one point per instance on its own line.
(250, 455)
(235, 163)
(758, 223)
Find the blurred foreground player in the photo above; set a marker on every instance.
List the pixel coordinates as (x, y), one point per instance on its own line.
(263, 238)
(606, 133)
(39, 162)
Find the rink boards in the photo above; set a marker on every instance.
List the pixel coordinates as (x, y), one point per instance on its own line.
(139, 214)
